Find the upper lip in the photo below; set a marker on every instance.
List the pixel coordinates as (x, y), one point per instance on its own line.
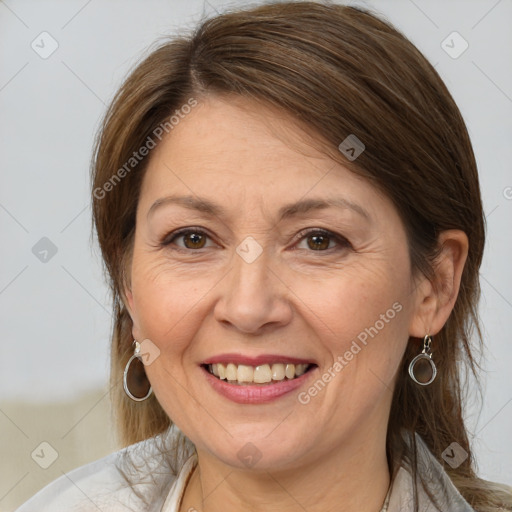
(256, 360)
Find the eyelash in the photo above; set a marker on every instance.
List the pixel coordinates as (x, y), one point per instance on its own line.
(340, 240)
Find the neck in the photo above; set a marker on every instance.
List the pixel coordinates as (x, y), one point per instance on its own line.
(338, 481)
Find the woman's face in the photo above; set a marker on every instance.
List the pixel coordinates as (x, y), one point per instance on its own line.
(263, 277)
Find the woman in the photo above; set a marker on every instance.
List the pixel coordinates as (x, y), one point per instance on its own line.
(288, 207)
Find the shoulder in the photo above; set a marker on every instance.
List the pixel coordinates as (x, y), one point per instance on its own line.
(447, 489)
(429, 487)
(86, 488)
(118, 482)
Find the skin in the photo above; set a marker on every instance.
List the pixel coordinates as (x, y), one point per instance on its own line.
(328, 454)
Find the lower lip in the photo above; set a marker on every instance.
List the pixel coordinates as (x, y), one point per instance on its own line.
(259, 394)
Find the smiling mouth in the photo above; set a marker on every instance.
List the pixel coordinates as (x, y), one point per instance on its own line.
(242, 374)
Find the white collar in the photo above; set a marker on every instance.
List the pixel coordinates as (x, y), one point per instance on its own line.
(173, 501)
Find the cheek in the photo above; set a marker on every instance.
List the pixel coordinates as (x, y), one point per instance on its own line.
(360, 316)
(346, 303)
(168, 303)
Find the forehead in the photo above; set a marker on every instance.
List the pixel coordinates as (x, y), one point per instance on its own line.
(223, 129)
(242, 153)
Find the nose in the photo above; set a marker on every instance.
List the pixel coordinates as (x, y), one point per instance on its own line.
(254, 297)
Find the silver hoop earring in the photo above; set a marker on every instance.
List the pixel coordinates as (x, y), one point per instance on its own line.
(422, 369)
(137, 376)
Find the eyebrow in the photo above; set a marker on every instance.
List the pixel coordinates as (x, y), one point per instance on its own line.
(285, 212)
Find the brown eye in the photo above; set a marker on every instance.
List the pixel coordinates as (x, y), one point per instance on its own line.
(194, 240)
(191, 239)
(318, 242)
(322, 241)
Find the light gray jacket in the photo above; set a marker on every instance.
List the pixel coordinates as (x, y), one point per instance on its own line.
(100, 486)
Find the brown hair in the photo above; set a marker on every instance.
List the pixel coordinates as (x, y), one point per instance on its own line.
(338, 70)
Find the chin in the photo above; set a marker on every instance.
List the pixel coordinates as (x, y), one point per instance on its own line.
(252, 449)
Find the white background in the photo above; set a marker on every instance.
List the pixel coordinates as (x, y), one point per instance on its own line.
(55, 319)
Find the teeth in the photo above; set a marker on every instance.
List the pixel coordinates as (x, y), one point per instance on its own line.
(289, 371)
(245, 373)
(257, 374)
(300, 369)
(231, 372)
(278, 372)
(262, 374)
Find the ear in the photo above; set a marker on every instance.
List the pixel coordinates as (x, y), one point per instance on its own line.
(127, 293)
(129, 305)
(128, 300)
(435, 299)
